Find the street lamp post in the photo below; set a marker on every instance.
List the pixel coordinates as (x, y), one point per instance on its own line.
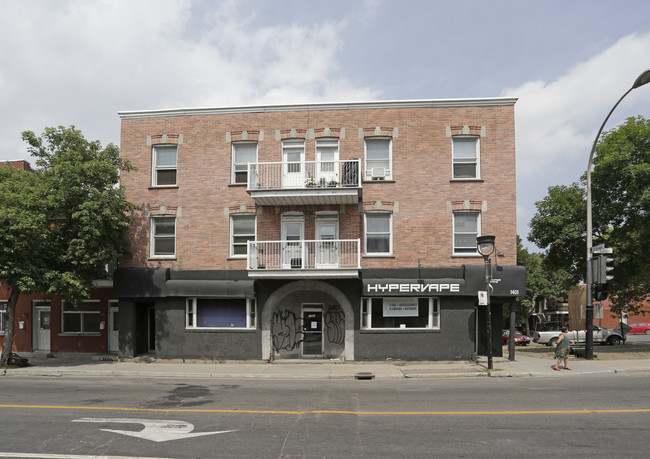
(485, 246)
(642, 79)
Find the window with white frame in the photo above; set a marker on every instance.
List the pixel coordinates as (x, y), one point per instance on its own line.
(242, 154)
(400, 313)
(378, 158)
(242, 230)
(163, 236)
(3, 312)
(466, 229)
(165, 158)
(220, 313)
(378, 235)
(466, 157)
(80, 316)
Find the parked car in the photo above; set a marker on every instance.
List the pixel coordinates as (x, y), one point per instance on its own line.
(602, 335)
(520, 338)
(642, 328)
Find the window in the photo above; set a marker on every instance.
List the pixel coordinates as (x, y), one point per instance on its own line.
(242, 154)
(3, 312)
(220, 313)
(378, 238)
(163, 237)
(466, 228)
(242, 230)
(81, 317)
(466, 157)
(400, 313)
(164, 161)
(378, 158)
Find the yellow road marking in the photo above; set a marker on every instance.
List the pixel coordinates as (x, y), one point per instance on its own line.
(421, 413)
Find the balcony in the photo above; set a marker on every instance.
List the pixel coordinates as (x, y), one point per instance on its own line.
(336, 258)
(305, 183)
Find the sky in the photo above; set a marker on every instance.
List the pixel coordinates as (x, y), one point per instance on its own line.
(80, 62)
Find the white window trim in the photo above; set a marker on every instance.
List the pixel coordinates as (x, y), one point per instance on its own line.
(232, 235)
(233, 163)
(81, 313)
(367, 175)
(152, 236)
(365, 236)
(190, 315)
(155, 168)
(453, 233)
(366, 315)
(477, 150)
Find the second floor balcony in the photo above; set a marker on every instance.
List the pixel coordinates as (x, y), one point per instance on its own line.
(305, 182)
(334, 258)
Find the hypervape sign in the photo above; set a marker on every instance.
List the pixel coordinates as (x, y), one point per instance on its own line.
(394, 288)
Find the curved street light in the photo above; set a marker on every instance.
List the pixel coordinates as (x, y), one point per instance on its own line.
(641, 80)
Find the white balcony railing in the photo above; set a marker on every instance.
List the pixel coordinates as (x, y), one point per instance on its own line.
(304, 175)
(304, 255)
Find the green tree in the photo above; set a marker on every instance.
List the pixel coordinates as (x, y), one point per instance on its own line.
(542, 281)
(63, 223)
(620, 203)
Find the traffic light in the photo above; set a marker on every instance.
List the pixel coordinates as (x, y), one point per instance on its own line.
(600, 292)
(602, 274)
(601, 269)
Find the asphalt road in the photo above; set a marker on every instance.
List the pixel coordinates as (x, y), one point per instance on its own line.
(464, 417)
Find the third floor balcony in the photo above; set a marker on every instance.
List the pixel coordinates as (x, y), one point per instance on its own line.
(305, 182)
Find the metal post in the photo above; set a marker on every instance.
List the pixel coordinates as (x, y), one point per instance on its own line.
(513, 322)
(488, 278)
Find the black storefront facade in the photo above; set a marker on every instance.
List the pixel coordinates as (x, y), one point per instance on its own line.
(408, 314)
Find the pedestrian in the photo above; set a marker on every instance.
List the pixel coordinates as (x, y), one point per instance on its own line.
(562, 349)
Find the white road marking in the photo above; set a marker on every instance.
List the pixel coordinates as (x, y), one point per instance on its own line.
(155, 430)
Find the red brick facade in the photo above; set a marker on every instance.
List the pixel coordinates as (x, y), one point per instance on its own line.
(421, 194)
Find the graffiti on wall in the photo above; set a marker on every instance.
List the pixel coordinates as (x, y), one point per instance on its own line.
(335, 324)
(287, 328)
(286, 331)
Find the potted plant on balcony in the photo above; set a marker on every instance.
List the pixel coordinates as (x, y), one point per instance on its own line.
(310, 182)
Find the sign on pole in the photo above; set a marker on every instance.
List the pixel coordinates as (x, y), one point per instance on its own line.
(482, 298)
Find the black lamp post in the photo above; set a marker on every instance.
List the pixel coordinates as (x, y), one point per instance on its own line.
(485, 246)
(641, 80)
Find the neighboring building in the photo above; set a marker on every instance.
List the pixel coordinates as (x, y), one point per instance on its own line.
(343, 231)
(51, 324)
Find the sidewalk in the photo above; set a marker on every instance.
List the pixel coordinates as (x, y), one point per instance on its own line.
(105, 366)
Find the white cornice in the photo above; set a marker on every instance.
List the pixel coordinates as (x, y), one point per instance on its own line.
(439, 103)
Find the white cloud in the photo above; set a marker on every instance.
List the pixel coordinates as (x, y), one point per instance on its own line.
(557, 121)
(79, 62)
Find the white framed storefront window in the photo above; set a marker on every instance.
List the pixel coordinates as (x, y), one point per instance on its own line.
(400, 313)
(220, 313)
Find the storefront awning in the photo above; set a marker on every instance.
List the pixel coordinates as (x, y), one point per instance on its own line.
(507, 281)
(210, 288)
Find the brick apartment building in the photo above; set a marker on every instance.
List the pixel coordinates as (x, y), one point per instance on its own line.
(343, 231)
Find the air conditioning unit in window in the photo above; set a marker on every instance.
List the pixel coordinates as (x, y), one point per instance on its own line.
(378, 173)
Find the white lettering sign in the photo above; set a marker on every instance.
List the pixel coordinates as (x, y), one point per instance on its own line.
(400, 307)
(412, 288)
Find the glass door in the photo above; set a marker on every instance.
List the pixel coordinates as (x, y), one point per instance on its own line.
(312, 327)
(327, 255)
(327, 155)
(292, 241)
(293, 164)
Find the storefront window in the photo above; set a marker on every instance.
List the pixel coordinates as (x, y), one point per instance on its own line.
(400, 313)
(220, 313)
